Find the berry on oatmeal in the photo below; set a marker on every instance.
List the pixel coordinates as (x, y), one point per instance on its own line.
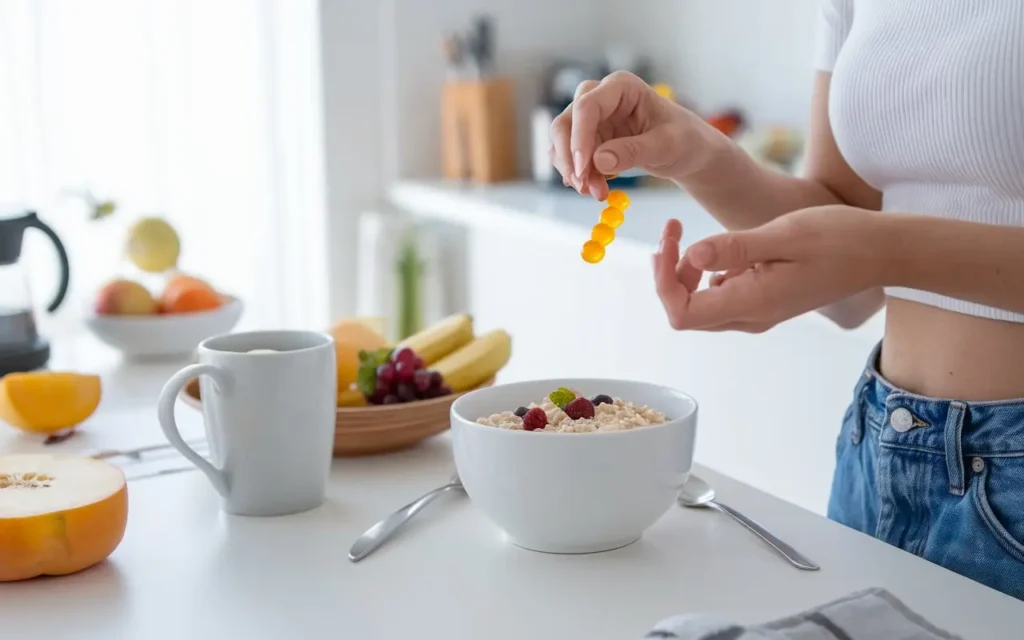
(580, 408)
(602, 399)
(580, 415)
(535, 419)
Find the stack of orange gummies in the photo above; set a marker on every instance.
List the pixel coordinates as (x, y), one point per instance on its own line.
(604, 231)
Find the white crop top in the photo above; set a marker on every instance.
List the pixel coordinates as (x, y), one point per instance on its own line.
(927, 106)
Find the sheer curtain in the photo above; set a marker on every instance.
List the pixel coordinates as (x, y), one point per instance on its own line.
(205, 113)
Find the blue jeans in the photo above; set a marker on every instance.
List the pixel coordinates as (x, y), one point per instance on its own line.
(941, 479)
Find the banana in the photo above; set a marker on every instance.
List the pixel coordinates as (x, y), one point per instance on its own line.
(476, 362)
(441, 338)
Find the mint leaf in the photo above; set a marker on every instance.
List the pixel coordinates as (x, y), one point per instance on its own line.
(562, 397)
(366, 375)
(366, 380)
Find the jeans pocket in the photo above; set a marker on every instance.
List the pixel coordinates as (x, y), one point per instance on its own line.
(999, 499)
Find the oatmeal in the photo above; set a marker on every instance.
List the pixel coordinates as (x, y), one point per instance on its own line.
(566, 411)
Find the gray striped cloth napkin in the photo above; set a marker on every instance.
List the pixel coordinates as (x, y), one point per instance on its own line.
(873, 614)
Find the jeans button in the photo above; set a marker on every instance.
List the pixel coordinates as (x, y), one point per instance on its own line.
(901, 420)
(977, 465)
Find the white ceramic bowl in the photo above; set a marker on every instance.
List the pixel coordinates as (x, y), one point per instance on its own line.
(573, 492)
(164, 335)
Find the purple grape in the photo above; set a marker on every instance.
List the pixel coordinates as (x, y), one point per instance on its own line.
(390, 399)
(444, 390)
(405, 354)
(421, 380)
(417, 363)
(385, 375)
(436, 379)
(377, 397)
(406, 392)
(404, 372)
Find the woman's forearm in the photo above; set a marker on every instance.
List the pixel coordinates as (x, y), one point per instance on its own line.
(980, 263)
(741, 193)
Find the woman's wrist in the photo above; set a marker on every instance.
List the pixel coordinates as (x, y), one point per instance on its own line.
(705, 155)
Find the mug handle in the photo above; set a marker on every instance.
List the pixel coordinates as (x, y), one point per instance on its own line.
(222, 380)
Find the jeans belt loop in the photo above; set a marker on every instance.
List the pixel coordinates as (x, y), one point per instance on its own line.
(954, 447)
(860, 391)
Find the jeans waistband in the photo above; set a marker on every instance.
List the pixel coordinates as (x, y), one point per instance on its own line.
(943, 425)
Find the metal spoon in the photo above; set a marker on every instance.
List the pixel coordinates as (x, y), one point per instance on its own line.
(696, 493)
(381, 532)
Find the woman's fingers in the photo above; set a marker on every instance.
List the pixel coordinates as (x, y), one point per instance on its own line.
(719, 279)
(688, 274)
(561, 134)
(673, 294)
(617, 93)
(561, 128)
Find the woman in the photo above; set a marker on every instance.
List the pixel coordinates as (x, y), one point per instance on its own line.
(913, 199)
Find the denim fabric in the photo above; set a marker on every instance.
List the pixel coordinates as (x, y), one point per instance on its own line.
(941, 479)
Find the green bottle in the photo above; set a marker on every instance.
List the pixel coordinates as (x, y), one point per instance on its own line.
(410, 282)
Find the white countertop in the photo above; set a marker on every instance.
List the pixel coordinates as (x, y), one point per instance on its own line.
(185, 570)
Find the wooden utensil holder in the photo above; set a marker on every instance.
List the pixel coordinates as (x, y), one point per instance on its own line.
(478, 130)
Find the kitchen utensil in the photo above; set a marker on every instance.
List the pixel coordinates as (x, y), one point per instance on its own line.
(480, 47)
(145, 475)
(454, 55)
(381, 532)
(164, 335)
(698, 494)
(573, 492)
(21, 347)
(269, 418)
(139, 452)
(372, 430)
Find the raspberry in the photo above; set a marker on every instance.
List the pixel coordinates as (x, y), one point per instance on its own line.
(535, 419)
(580, 408)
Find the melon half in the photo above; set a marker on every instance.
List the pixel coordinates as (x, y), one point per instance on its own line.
(59, 514)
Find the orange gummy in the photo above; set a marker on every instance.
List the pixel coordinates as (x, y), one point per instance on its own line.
(618, 199)
(602, 233)
(612, 217)
(593, 251)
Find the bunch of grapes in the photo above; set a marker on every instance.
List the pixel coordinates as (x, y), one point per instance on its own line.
(405, 379)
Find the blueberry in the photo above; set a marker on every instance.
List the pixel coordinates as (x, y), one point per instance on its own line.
(520, 412)
(601, 399)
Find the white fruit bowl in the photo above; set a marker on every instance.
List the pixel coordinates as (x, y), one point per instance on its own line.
(164, 335)
(573, 492)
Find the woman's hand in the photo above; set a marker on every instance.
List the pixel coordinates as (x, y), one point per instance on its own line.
(797, 263)
(621, 123)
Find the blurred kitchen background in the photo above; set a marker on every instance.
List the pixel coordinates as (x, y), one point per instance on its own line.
(337, 158)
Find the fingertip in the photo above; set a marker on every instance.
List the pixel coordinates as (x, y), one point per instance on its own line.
(673, 229)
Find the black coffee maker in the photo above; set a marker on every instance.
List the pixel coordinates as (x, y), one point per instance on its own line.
(21, 346)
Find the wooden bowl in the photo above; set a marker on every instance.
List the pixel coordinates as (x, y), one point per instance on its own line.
(369, 430)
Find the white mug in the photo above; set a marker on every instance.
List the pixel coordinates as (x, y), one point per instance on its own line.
(269, 401)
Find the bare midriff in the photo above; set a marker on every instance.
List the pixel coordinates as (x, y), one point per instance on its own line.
(943, 354)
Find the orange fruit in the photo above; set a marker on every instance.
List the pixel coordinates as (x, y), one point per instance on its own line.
(352, 335)
(191, 298)
(48, 401)
(184, 293)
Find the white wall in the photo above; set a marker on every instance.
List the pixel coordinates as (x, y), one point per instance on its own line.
(753, 54)
(528, 34)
